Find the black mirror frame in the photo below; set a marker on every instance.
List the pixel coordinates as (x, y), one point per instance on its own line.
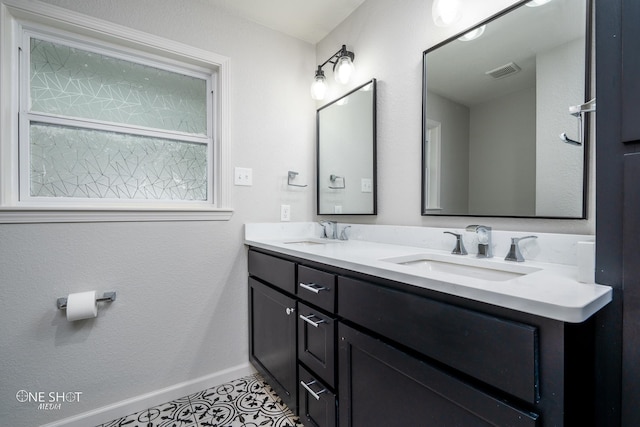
(372, 82)
(587, 119)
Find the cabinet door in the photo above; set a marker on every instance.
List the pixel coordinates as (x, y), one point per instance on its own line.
(380, 385)
(629, 126)
(272, 339)
(631, 307)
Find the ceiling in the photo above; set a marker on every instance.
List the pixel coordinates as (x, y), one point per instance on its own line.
(308, 20)
(456, 70)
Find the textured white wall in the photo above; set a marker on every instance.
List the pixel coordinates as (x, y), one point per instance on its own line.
(181, 311)
(388, 39)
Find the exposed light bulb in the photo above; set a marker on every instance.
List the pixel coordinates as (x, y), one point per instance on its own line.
(473, 34)
(319, 87)
(536, 3)
(343, 70)
(446, 12)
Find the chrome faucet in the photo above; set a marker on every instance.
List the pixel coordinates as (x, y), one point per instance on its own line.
(484, 240)
(514, 251)
(343, 233)
(459, 248)
(329, 229)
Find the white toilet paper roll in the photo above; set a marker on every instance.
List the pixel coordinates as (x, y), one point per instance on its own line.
(82, 305)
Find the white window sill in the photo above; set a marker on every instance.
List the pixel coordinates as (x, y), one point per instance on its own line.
(66, 214)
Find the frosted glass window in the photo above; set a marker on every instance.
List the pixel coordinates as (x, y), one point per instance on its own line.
(102, 127)
(85, 163)
(73, 82)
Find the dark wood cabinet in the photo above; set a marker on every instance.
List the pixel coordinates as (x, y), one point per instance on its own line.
(291, 342)
(374, 352)
(272, 339)
(617, 211)
(383, 386)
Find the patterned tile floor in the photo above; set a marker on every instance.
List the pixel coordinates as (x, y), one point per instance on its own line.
(245, 402)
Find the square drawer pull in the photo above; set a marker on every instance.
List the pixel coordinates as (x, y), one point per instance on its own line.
(311, 322)
(313, 287)
(307, 387)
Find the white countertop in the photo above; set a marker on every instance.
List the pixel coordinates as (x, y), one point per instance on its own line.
(553, 291)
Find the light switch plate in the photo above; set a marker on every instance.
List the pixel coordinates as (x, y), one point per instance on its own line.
(243, 176)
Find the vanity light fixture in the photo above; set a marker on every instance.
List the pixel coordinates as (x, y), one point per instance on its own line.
(473, 34)
(446, 12)
(536, 3)
(343, 68)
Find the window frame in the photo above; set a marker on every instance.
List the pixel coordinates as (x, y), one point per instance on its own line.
(18, 22)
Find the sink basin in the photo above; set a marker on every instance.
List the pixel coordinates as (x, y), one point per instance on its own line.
(311, 241)
(476, 268)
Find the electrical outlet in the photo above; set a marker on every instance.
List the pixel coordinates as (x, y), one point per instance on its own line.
(243, 176)
(366, 185)
(285, 213)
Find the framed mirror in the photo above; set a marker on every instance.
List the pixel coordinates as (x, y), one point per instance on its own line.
(346, 154)
(494, 109)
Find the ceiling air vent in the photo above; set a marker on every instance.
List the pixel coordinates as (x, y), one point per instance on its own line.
(503, 71)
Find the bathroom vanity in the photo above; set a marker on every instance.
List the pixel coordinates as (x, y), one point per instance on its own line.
(347, 337)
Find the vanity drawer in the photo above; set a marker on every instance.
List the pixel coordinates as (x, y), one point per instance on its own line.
(317, 403)
(498, 352)
(317, 287)
(316, 342)
(276, 271)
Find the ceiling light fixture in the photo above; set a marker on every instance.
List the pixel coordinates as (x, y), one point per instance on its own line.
(343, 68)
(446, 12)
(473, 34)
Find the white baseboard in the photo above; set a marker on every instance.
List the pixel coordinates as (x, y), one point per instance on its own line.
(148, 400)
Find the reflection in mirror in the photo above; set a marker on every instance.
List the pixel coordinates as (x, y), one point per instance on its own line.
(346, 181)
(494, 108)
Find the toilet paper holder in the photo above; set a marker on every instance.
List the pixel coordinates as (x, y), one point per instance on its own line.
(106, 297)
